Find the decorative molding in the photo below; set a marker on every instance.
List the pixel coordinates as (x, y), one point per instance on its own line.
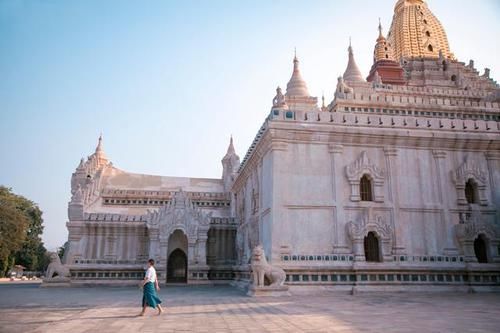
(492, 155)
(181, 214)
(358, 230)
(335, 148)
(390, 151)
(471, 226)
(439, 154)
(363, 165)
(470, 169)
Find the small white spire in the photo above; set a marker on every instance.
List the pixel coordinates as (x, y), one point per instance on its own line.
(352, 72)
(296, 86)
(230, 148)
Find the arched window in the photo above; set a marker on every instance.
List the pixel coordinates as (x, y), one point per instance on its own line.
(480, 249)
(365, 188)
(427, 33)
(372, 250)
(430, 48)
(471, 194)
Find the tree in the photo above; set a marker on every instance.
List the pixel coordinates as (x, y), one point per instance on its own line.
(62, 250)
(21, 227)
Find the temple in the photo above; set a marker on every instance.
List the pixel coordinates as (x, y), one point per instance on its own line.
(395, 183)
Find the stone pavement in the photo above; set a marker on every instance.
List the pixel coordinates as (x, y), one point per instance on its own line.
(27, 308)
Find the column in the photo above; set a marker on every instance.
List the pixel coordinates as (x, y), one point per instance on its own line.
(339, 235)
(449, 247)
(219, 244)
(191, 251)
(391, 155)
(202, 250)
(493, 162)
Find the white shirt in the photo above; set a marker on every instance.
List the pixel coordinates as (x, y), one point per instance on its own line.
(151, 274)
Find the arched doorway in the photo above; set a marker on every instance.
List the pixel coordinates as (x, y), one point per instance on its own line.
(177, 267)
(480, 249)
(177, 262)
(372, 249)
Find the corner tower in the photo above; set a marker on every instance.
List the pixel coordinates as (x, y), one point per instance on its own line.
(384, 65)
(416, 32)
(230, 165)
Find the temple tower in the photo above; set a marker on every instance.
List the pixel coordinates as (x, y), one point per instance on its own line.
(416, 32)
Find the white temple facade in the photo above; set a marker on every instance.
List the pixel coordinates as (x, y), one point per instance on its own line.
(396, 182)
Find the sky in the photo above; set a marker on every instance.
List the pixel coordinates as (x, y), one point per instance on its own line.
(168, 82)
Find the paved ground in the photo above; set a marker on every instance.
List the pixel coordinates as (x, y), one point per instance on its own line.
(28, 308)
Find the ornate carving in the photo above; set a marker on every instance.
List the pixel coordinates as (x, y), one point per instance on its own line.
(470, 227)
(363, 165)
(470, 170)
(77, 196)
(342, 87)
(181, 214)
(262, 270)
(279, 99)
(357, 230)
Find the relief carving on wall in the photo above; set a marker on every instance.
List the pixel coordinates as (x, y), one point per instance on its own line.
(470, 169)
(364, 166)
(358, 230)
(471, 226)
(181, 214)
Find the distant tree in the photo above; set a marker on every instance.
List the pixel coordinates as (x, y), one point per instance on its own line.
(61, 250)
(21, 227)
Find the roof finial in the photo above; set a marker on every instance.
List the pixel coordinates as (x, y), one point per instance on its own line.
(295, 60)
(379, 28)
(230, 148)
(352, 73)
(296, 86)
(99, 143)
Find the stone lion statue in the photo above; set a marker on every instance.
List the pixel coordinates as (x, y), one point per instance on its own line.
(342, 87)
(262, 270)
(56, 267)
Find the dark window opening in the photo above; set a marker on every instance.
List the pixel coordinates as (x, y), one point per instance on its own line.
(471, 194)
(372, 250)
(427, 33)
(480, 249)
(365, 188)
(430, 48)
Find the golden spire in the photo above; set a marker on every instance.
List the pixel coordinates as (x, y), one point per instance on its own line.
(383, 49)
(416, 32)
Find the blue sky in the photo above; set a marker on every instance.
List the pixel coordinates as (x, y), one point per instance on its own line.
(167, 82)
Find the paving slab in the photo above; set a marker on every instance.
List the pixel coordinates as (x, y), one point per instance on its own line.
(28, 308)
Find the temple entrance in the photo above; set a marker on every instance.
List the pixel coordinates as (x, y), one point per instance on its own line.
(177, 267)
(372, 251)
(480, 249)
(177, 262)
